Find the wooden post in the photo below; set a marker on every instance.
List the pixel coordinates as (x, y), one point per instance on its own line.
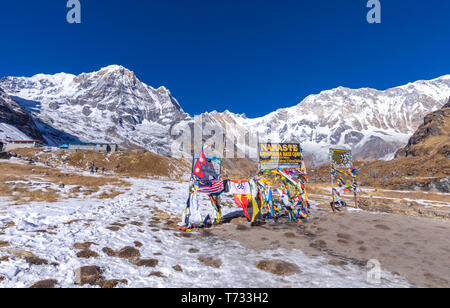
(353, 172)
(333, 207)
(355, 193)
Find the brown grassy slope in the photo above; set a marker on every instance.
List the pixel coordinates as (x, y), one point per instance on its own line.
(422, 164)
(135, 163)
(240, 169)
(15, 182)
(400, 174)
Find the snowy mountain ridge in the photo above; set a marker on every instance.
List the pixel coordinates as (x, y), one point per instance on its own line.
(372, 123)
(113, 105)
(110, 105)
(15, 123)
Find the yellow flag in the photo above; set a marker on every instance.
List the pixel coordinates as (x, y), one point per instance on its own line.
(255, 208)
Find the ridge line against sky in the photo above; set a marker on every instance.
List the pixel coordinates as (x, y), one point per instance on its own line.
(447, 76)
(251, 57)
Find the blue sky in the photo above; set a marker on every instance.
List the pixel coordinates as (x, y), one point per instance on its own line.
(247, 56)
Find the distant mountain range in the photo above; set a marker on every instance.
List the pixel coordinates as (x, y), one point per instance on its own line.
(112, 105)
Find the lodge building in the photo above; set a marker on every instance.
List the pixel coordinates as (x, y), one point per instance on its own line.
(98, 147)
(21, 144)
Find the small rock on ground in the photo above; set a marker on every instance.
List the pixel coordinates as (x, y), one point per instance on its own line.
(109, 252)
(86, 254)
(91, 275)
(278, 267)
(128, 253)
(157, 274)
(178, 268)
(208, 261)
(111, 284)
(45, 284)
(36, 260)
(4, 244)
(147, 262)
(83, 246)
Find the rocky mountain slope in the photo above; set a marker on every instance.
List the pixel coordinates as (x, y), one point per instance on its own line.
(112, 105)
(433, 136)
(15, 123)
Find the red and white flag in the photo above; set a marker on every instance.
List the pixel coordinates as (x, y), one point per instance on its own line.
(198, 165)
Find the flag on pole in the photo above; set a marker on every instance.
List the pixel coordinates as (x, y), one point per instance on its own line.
(201, 161)
(243, 201)
(204, 168)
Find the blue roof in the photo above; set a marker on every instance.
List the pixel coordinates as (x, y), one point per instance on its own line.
(92, 143)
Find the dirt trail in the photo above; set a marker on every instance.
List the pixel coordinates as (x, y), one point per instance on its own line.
(415, 248)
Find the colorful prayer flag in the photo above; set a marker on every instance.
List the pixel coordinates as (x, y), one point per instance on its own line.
(242, 201)
(240, 188)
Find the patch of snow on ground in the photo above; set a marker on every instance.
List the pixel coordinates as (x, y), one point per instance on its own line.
(238, 268)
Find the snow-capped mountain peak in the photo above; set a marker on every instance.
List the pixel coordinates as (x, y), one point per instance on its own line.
(111, 105)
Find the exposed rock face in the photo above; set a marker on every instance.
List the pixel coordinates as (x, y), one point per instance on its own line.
(433, 136)
(441, 185)
(447, 105)
(15, 123)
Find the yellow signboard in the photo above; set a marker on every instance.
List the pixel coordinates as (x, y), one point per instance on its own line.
(341, 159)
(280, 155)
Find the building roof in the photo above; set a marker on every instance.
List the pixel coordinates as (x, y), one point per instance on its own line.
(92, 143)
(26, 141)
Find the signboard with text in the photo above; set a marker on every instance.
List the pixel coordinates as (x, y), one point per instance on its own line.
(341, 159)
(280, 155)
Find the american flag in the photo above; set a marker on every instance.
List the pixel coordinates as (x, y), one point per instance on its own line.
(216, 187)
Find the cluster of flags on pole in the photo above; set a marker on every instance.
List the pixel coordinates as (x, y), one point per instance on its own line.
(206, 169)
(198, 167)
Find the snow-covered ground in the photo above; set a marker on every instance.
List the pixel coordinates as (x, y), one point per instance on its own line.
(89, 219)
